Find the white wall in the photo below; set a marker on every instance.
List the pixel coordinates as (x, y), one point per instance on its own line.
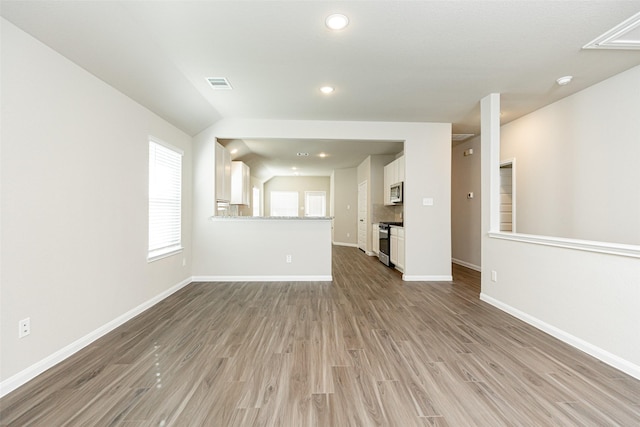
(577, 164)
(74, 223)
(427, 166)
(345, 206)
(465, 213)
(586, 298)
(249, 249)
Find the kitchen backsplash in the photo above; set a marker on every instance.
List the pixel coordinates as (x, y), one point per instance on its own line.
(386, 213)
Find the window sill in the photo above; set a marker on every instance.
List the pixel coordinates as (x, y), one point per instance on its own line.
(164, 253)
(632, 251)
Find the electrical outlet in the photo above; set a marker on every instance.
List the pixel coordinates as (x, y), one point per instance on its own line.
(494, 276)
(288, 259)
(24, 327)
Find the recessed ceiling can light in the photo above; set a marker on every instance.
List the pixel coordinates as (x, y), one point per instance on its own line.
(564, 80)
(322, 155)
(327, 89)
(336, 22)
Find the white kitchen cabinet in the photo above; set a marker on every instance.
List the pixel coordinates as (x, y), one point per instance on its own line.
(240, 184)
(223, 174)
(397, 247)
(393, 174)
(393, 246)
(400, 167)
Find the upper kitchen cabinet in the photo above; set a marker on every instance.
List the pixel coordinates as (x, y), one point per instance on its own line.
(393, 174)
(240, 184)
(223, 174)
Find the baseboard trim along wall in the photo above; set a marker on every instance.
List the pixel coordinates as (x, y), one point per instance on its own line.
(26, 375)
(466, 264)
(350, 245)
(262, 278)
(443, 278)
(600, 354)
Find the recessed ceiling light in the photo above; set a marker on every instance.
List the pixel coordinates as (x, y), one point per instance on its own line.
(294, 168)
(327, 89)
(322, 155)
(336, 22)
(564, 80)
(234, 151)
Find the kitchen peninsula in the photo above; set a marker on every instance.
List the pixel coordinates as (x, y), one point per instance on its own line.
(271, 248)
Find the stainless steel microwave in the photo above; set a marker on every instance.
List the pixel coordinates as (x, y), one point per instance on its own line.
(396, 193)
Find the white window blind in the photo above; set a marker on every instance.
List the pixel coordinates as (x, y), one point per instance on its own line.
(284, 203)
(165, 200)
(315, 203)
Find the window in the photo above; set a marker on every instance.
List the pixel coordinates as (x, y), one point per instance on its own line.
(284, 203)
(315, 203)
(165, 200)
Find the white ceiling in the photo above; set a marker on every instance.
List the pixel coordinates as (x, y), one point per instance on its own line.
(426, 61)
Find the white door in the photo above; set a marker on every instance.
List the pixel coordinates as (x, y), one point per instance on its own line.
(362, 216)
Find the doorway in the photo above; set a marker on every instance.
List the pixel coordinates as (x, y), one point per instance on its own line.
(508, 196)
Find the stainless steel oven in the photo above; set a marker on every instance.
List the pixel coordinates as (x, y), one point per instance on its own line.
(384, 233)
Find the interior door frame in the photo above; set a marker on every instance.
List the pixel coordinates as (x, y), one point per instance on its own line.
(364, 184)
(512, 163)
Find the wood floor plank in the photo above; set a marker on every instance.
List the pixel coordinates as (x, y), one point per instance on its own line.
(365, 349)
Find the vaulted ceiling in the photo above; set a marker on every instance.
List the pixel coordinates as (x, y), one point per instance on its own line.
(426, 61)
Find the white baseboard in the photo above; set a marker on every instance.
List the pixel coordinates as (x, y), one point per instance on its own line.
(466, 264)
(321, 278)
(22, 377)
(597, 352)
(443, 278)
(351, 245)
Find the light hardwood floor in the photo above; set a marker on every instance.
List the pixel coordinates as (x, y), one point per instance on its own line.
(366, 349)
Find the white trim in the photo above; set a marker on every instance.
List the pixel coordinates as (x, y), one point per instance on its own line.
(351, 245)
(595, 351)
(443, 278)
(328, 278)
(632, 251)
(164, 253)
(166, 145)
(22, 377)
(466, 264)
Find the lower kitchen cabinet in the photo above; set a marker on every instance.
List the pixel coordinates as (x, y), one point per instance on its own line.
(397, 247)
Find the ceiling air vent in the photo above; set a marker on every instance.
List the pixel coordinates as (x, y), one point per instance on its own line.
(623, 36)
(461, 136)
(219, 83)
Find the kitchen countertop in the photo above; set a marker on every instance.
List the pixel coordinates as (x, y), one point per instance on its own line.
(271, 218)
